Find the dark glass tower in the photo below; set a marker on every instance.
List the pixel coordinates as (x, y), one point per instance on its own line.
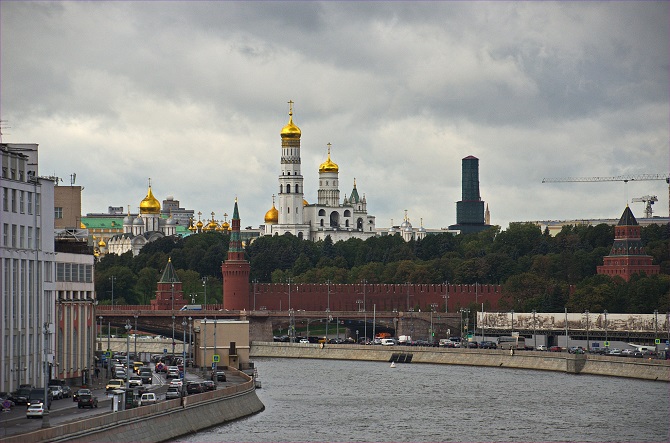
(470, 210)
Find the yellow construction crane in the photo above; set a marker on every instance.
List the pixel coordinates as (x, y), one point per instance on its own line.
(617, 178)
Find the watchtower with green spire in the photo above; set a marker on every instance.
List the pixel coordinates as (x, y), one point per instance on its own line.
(169, 294)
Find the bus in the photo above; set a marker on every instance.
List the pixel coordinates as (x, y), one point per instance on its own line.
(511, 343)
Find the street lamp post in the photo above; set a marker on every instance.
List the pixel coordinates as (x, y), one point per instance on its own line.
(359, 302)
(203, 327)
(588, 343)
(135, 330)
(606, 341)
(173, 342)
(446, 296)
(183, 360)
(255, 282)
(45, 415)
(190, 340)
(432, 309)
(512, 322)
(534, 330)
(109, 336)
(128, 327)
(100, 335)
(655, 324)
(291, 326)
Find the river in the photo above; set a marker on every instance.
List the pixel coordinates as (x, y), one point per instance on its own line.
(354, 401)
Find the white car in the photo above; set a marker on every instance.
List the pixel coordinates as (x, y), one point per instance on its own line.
(172, 372)
(135, 380)
(304, 341)
(176, 382)
(541, 348)
(35, 410)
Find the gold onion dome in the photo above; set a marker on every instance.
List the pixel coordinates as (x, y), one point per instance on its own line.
(199, 224)
(328, 165)
(102, 243)
(82, 225)
(290, 130)
(225, 226)
(150, 205)
(305, 202)
(272, 216)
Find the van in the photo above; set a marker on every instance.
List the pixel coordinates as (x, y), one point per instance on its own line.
(388, 341)
(148, 398)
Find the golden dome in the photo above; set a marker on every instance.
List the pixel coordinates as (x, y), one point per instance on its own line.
(199, 224)
(225, 226)
(290, 130)
(102, 243)
(328, 165)
(150, 205)
(272, 216)
(82, 225)
(305, 202)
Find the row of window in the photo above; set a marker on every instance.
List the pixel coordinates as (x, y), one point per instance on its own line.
(20, 236)
(15, 200)
(74, 272)
(288, 189)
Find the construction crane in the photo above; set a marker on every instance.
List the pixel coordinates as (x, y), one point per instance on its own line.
(649, 200)
(617, 178)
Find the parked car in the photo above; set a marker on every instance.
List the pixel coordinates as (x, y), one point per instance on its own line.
(35, 410)
(20, 397)
(194, 387)
(148, 398)
(56, 392)
(209, 385)
(555, 349)
(173, 392)
(304, 341)
(218, 376)
(82, 391)
(487, 345)
(67, 391)
(541, 348)
(87, 401)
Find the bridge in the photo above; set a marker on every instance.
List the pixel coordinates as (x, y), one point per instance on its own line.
(642, 328)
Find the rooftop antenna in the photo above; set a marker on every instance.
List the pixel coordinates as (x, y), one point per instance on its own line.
(73, 177)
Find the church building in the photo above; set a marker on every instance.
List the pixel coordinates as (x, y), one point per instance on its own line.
(146, 227)
(341, 219)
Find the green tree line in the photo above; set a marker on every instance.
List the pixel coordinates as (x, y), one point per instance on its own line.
(537, 271)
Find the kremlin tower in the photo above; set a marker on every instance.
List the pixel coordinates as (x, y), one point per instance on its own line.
(235, 270)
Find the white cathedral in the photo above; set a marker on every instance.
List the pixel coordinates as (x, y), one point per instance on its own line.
(146, 227)
(341, 220)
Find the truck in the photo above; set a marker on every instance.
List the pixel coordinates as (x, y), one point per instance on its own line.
(404, 339)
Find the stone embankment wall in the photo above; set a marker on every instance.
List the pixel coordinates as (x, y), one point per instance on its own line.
(545, 361)
(163, 421)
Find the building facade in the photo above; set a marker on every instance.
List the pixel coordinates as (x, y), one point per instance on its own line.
(27, 278)
(340, 219)
(470, 214)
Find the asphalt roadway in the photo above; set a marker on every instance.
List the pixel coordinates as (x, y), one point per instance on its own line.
(65, 410)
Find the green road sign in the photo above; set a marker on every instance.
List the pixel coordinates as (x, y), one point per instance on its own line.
(215, 358)
(607, 344)
(657, 341)
(108, 354)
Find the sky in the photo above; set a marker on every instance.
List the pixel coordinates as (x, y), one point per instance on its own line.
(193, 95)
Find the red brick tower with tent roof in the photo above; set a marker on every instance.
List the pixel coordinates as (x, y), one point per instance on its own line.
(627, 256)
(235, 270)
(169, 295)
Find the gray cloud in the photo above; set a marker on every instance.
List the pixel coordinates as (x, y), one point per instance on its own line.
(193, 94)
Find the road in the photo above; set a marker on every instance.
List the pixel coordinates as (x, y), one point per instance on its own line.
(65, 410)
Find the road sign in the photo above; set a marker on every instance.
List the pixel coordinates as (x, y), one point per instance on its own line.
(213, 366)
(607, 344)
(215, 358)
(657, 341)
(164, 351)
(181, 375)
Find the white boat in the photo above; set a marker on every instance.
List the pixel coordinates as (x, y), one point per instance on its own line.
(393, 364)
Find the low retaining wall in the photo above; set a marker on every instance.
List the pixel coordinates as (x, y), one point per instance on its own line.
(163, 421)
(658, 370)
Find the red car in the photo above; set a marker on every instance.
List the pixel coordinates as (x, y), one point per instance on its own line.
(555, 349)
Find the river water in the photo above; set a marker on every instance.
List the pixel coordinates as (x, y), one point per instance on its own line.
(354, 401)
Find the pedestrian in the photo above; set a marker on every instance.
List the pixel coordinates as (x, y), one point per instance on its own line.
(97, 372)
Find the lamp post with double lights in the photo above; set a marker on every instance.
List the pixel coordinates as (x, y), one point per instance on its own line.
(203, 327)
(512, 311)
(135, 330)
(183, 361)
(128, 328)
(190, 339)
(534, 331)
(588, 342)
(432, 332)
(172, 309)
(446, 296)
(100, 335)
(606, 341)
